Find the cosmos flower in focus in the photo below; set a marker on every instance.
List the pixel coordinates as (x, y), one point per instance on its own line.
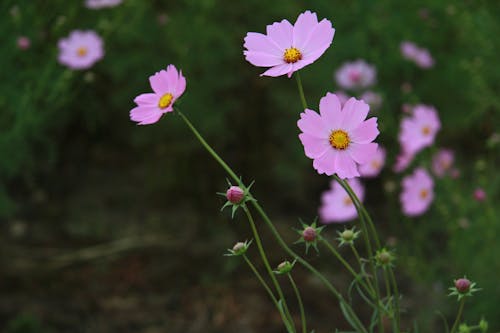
(442, 161)
(338, 138)
(419, 130)
(375, 165)
(81, 49)
(356, 75)
(168, 85)
(418, 192)
(336, 205)
(98, 4)
(286, 48)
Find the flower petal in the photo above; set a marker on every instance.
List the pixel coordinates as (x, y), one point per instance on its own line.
(158, 84)
(362, 153)
(320, 39)
(147, 100)
(278, 70)
(305, 24)
(262, 59)
(311, 123)
(330, 110)
(281, 33)
(314, 147)
(326, 163)
(257, 42)
(345, 166)
(145, 115)
(355, 111)
(366, 132)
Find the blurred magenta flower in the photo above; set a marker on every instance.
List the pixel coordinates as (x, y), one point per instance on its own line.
(373, 99)
(419, 130)
(373, 167)
(408, 50)
(336, 205)
(168, 85)
(479, 194)
(442, 161)
(420, 56)
(403, 160)
(355, 75)
(286, 48)
(23, 43)
(418, 192)
(338, 138)
(98, 4)
(81, 49)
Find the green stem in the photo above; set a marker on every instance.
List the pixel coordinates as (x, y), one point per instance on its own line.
(347, 265)
(269, 292)
(301, 90)
(266, 261)
(459, 315)
(396, 299)
(358, 258)
(301, 305)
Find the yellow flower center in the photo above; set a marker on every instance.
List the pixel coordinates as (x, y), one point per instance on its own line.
(424, 194)
(292, 55)
(82, 51)
(339, 139)
(426, 130)
(165, 100)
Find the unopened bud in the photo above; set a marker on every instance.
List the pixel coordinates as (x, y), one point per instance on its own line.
(235, 194)
(462, 285)
(384, 258)
(284, 267)
(347, 235)
(309, 234)
(239, 246)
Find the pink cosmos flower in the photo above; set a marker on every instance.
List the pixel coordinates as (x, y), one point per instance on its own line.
(23, 43)
(355, 75)
(418, 192)
(336, 205)
(403, 160)
(168, 85)
(286, 48)
(338, 138)
(419, 130)
(442, 161)
(479, 194)
(420, 56)
(81, 49)
(408, 50)
(98, 4)
(375, 165)
(373, 99)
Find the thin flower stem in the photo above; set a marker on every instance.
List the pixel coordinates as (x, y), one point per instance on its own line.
(269, 292)
(396, 298)
(358, 324)
(301, 305)
(459, 315)
(347, 266)
(266, 261)
(301, 90)
(358, 258)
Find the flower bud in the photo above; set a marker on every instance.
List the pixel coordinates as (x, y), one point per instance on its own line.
(238, 246)
(285, 267)
(462, 285)
(238, 249)
(347, 235)
(384, 258)
(23, 42)
(235, 194)
(309, 234)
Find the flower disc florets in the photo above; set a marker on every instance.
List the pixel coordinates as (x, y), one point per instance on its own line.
(309, 234)
(463, 287)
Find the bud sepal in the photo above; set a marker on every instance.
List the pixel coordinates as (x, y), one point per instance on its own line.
(309, 234)
(463, 287)
(238, 249)
(348, 236)
(285, 267)
(236, 197)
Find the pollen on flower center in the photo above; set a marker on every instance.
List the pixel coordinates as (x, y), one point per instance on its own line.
(165, 100)
(424, 193)
(426, 130)
(82, 51)
(339, 139)
(292, 55)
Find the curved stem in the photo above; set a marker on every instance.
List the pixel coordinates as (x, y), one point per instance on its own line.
(266, 261)
(459, 315)
(301, 90)
(269, 292)
(358, 258)
(301, 305)
(396, 298)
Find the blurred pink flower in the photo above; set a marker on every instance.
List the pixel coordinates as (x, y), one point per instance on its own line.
(418, 193)
(355, 75)
(336, 205)
(442, 161)
(286, 48)
(338, 138)
(81, 49)
(98, 4)
(168, 85)
(373, 167)
(373, 99)
(403, 160)
(419, 130)
(23, 43)
(420, 56)
(342, 96)
(479, 194)
(408, 50)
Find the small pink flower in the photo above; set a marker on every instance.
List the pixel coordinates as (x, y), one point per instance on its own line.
(408, 50)
(355, 75)
(420, 56)
(338, 138)
(403, 160)
(373, 99)
(168, 85)
(479, 194)
(286, 48)
(375, 165)
(81, 49)
(98, 4)
(442, 161)
(23, 43)
(337, 206)
(419, 130)
(418, 192)
(407, 108)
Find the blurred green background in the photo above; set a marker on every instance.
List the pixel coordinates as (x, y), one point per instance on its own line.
(111, 227)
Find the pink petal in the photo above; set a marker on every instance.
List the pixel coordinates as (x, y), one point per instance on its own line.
(281, 33)
(263, 59)
(346, 168)
(278, 70)
(158, 84)
(147, 100)
(330, 110)
(314, 147)
(362, 153)
(326, 163)
(303, 27)
(311, 123)
(181, 86)
(366, 132)
(256, 42)
(145, 115)
(355, 111)
(171, 76)
(320, 38)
